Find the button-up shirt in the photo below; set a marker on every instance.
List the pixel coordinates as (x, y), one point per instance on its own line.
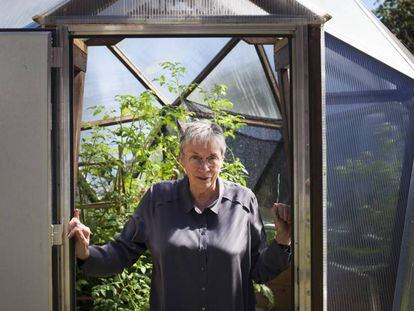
(201, 261)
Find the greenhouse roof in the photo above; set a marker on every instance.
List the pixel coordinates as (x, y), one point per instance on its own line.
(354, 24)
(179, 11)
(365, 33)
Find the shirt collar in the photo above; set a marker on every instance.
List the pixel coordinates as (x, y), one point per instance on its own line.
(185, 195)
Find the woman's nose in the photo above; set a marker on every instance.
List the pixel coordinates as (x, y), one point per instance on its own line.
(204, 165)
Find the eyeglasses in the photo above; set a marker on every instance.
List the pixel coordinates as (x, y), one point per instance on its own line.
(212, 161)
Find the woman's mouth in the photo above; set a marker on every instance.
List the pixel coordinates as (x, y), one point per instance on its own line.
(203, 178)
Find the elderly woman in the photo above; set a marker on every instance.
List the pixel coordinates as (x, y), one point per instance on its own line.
(205, 235)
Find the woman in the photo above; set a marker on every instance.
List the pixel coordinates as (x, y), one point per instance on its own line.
(205, 234)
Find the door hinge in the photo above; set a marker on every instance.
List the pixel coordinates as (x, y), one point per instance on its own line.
(57, 234)
(57, 57)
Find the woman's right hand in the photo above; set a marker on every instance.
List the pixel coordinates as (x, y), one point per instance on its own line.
(81, 234)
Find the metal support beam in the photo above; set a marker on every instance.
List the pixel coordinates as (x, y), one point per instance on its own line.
(253, 122)
(206, 71)
(282, 54)
(136, 72)
(78, 91)
(261, 40)
(108, 122)
(250, 121)
(317, 167)
(100, 41)
(301, 171)
(270, 77)
(278, 98)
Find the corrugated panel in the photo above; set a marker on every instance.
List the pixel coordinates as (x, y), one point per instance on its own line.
(404, 292)
(248, 88)
(192, 53)
(103, 83)
(178, 10)
(370, 128)
(19, 13)
(354, 24)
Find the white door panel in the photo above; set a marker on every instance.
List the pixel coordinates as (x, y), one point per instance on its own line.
(25, 166)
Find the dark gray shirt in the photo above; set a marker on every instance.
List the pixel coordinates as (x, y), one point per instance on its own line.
(201, 261)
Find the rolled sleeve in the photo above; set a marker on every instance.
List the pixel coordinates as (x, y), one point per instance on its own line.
(124, 251)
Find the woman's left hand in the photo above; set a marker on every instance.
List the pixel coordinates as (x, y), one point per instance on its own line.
(283, 223)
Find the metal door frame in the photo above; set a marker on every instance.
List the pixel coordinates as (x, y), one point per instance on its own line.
(305, 293)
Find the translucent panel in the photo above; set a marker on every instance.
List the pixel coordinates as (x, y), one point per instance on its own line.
(360, 79)
(248, 88)
(19, 13)
(106, 132)
(193, 53)
(105, 142)
(264, 163)
(106, 77)
(404, 292)
(182, 10)
(370, 128)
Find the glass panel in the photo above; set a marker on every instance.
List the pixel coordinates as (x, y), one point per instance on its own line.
(150, 11)
(370, 127)
(105, 78)
(193, 53)
(248, 88)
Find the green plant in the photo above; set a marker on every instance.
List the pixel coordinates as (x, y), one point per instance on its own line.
(121, 162)
(398, 16)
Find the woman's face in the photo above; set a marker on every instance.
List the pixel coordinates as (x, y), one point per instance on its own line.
(202, 163)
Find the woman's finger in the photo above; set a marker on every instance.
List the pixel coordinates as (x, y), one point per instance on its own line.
(73, 232)
(73, 223)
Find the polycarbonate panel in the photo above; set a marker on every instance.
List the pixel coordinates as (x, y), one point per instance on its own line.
(19, 13)
(404, 292)
(248, 88)
(109, 140)
(370, 134)
(215, 11)
(192, 53)
(105, 78)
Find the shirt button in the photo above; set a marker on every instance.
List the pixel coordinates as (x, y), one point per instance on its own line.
(202, 268)
(203, 289)
(203, 308)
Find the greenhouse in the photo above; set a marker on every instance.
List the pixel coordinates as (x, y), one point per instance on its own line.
(316, 100)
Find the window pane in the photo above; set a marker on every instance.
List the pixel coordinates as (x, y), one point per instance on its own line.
(193, 53)
(105, 78)
(248, 88)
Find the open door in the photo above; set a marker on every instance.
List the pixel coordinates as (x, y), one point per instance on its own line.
(32, 191)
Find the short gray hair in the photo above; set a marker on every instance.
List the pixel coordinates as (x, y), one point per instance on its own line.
(202, 131)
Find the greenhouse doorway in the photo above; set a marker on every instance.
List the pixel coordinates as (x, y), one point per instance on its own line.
(243, 80)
